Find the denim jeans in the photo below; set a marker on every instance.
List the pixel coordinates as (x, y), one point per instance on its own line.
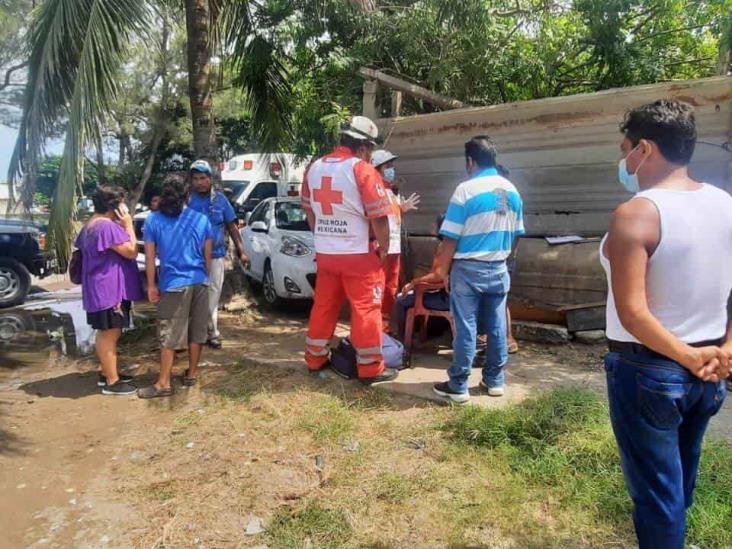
(659, 412)
(478, 289)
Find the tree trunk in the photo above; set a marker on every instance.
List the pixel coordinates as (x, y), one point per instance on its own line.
(724, 47)
(161, 119)
(136, 193)
(198, 18)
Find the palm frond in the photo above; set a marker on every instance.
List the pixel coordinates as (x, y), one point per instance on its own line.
(262, 74)
(245, 31)
(54, 46)
(77, 48)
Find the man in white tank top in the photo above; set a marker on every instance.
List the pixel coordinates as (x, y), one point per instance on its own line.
(668, 257)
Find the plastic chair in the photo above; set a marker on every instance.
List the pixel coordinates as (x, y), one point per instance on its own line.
(420, 311)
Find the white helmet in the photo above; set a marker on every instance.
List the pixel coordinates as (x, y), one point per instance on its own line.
(361, 128)
(381, 157)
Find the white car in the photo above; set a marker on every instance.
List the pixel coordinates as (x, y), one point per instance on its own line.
(280, 248)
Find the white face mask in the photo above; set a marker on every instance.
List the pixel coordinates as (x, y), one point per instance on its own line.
(389, 174)
(628, 180)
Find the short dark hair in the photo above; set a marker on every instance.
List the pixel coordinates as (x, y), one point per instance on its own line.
(107, 198)
(481, 150)
(352, 143)
(173, 196)
(502, 170)
(669, 124)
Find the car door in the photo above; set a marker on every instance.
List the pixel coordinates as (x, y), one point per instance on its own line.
(256, 243)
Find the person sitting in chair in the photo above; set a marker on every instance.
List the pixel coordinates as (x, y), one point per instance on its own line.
(438, 300)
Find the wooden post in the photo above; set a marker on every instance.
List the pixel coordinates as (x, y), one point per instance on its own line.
(370, 91)
(396, 103)
(419, 92)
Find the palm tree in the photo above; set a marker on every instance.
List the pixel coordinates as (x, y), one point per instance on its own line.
(76, 51)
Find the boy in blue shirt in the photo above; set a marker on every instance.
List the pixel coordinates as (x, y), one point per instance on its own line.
(183, 240)
(214, 205)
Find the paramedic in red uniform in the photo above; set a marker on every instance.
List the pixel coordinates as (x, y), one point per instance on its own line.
(383, 161)
(347, 208)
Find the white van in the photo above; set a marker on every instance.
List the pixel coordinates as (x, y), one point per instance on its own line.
(248, 179)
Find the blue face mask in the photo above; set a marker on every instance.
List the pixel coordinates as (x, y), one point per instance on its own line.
(628, 180)
(389, 174)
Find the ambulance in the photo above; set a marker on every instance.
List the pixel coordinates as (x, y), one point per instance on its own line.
(248, 179)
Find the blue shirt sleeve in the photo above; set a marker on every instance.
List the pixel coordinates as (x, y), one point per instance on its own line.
(455, 218)
(210, 231)
(228, 211)
(149, 229)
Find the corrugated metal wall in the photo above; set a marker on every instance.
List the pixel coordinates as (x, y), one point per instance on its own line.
(562, 152)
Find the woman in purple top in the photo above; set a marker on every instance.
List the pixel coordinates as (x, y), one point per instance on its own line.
(110, 280)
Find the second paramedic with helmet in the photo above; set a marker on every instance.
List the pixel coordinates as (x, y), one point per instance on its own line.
(347, 208)
(383, 161)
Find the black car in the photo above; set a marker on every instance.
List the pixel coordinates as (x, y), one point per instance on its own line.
(21, 255)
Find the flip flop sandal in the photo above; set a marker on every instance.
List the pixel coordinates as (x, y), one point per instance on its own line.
(188, 381)
(154, 392)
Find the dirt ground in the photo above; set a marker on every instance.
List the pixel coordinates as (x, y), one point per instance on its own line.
(78, 469)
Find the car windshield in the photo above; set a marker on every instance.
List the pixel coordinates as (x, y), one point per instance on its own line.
(291, 217)
(234, 189)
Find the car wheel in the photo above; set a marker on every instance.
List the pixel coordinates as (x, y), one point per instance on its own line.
(14, 282)
(269, 291)
(11, 325)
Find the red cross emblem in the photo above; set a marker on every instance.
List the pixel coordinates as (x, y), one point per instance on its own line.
(326, 196)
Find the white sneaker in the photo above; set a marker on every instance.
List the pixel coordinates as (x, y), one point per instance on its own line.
(493, 391)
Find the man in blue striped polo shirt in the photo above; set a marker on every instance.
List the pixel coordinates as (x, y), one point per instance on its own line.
(484, 217)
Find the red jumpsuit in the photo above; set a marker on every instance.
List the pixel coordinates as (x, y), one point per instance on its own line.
(344, 193)
(392, 263)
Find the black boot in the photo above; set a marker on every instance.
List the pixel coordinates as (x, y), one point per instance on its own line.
(388, 374)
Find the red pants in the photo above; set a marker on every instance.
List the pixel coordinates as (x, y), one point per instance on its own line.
(358, 278)
(391, 287)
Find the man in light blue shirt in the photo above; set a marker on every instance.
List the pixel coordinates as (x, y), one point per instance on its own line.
(483, 218)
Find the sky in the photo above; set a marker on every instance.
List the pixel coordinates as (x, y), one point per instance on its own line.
(7, 142)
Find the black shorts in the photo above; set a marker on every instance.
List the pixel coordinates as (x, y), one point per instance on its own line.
(108, 319)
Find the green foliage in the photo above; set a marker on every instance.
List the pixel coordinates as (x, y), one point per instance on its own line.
(285, 76)
(486, 52)
(48, 174)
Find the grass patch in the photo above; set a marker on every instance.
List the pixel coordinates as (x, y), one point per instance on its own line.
(710, 518)
(393, 487)
(313, 526)
(327, 418)
(243, 381)
(560, 444)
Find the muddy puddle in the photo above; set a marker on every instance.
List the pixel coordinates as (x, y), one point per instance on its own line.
(47, 327)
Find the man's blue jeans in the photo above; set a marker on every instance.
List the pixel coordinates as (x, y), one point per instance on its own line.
(659, 412)
(478, 289)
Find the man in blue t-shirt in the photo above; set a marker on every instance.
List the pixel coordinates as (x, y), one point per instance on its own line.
(183, 240)
(216, 207)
